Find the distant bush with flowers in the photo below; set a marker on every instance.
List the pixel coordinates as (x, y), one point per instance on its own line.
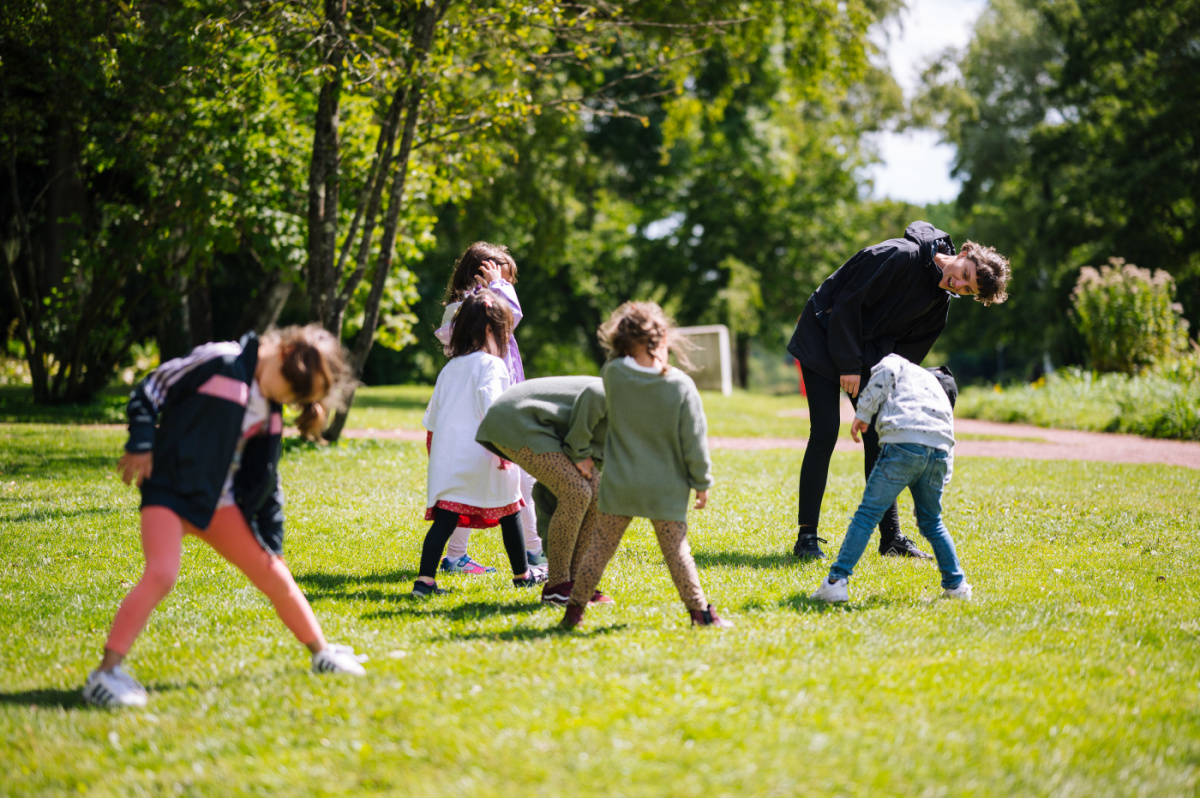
(1161, 402)
(1128, 317)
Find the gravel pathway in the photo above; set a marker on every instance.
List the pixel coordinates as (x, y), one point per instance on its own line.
(1002, 440)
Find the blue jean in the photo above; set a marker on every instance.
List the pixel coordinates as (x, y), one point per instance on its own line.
(925, 472)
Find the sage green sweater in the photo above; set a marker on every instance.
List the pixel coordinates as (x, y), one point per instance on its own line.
(549, 414)
(657, 446)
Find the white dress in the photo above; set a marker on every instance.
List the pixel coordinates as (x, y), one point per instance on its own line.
(464, 476)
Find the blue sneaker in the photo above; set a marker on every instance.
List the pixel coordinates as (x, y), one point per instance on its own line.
(465, 565)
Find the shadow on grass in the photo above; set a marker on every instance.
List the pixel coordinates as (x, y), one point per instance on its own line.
(56, 464)
(17, 406)
(801, 603)
(66, 699)
(554, 631)
(736, 559)
(318, 585)
(471, 611)
(49, 514)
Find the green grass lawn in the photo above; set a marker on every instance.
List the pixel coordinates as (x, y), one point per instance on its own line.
(741, 415)
(1076, 671)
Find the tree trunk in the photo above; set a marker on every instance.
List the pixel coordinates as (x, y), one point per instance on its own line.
(741, 359)
(422, 39)
(264, 309)
(323, 182)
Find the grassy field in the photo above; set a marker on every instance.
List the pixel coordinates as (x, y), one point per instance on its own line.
(1075, 672)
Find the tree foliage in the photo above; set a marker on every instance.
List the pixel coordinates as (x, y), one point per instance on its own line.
(174, 169)
(722, 185)
(1075, 127)
(132, 161)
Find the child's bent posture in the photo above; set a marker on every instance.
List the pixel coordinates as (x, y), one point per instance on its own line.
(554, 428)
(915, 423)
(468, 486)
(656, 452)
(210, 469)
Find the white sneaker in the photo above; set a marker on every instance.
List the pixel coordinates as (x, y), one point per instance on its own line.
(338, 659)
(114, 688)
(963, 591)
(832, 591)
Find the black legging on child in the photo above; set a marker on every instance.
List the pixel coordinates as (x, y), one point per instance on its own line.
(824, 418)
(444, 524)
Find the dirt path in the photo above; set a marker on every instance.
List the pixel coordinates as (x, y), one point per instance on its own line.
(1003, 440)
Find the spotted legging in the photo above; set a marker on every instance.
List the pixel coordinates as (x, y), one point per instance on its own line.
(570, 531)
(672, 539)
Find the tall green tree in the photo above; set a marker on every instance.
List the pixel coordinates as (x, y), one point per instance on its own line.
(1074, 124)
(728, 175)
(130, 160)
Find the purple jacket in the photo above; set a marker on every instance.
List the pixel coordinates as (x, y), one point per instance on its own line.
(512, 358)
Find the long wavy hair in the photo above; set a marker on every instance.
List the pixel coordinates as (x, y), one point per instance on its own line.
(462, 280)
(314, 365)
(480, 311)
(643, 323)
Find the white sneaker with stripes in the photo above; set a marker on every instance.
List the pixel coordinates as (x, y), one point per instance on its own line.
(338, 659)
(114, 688)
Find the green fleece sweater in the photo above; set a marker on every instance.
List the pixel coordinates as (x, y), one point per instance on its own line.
(549, 414)
(657, 446)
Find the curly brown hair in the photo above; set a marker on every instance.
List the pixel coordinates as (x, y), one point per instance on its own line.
(992, 272)
(462, 280)
(645, 324)
(314, 364)
(479, 312)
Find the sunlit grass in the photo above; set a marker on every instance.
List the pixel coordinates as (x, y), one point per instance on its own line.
(1074, 672)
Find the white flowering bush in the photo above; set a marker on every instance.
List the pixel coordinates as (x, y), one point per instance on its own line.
(1128, 317)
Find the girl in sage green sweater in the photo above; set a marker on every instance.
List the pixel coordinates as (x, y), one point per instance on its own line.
(656, 453)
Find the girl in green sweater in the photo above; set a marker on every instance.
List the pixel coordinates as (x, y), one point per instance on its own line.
(656, 452)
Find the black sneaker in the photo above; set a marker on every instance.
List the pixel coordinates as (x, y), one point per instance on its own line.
(536, 559)
(900, 546)
(537, 576)
(709, 617)
(424, 589)
(808, 546)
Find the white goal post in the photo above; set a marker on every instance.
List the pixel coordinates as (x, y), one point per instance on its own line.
(712, 357)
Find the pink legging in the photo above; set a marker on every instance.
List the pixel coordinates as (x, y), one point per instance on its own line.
(230, 535)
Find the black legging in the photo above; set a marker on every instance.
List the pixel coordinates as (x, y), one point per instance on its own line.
(444, 524)
(824, 418)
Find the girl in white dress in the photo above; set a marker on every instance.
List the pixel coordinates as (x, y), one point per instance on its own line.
(492, 266)
(468, 485)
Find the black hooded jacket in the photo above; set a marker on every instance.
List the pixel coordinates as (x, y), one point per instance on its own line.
(885, 299)
(202, 398)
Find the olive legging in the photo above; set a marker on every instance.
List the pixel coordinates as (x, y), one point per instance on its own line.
(570, 531)
(672, 539)
(824, 420)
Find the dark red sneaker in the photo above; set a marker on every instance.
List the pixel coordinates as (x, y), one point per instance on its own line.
(557, 594)
(709, 617)
(573, 617)
(600, 598)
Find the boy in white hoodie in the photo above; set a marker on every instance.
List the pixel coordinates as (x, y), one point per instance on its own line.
(915, 423)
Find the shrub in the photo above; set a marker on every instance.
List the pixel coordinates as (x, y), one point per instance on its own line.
(1127, 317)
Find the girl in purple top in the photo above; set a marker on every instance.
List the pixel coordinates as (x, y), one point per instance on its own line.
(491, 266)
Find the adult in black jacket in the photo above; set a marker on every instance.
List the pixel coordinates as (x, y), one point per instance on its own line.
(889, 298)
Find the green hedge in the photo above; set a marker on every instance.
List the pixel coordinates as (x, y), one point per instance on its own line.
(1164, 403)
